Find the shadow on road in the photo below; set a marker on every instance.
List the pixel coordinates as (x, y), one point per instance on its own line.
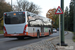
(28, 38)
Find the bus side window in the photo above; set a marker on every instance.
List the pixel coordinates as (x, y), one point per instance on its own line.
(28, 16)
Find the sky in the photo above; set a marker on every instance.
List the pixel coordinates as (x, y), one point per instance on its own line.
(45, 5)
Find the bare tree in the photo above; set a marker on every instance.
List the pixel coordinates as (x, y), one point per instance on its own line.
(33, 8)
(2, 0)
(27, 6)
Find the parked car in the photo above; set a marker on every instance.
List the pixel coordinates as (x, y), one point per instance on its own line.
(57, 29)
(54, 30)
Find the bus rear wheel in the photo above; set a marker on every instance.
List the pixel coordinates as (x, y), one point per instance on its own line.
(20, 38)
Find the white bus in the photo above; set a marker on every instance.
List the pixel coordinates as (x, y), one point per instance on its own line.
(25, 24)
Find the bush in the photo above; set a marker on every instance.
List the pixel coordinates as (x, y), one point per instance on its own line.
(1, 27)
(74, 37)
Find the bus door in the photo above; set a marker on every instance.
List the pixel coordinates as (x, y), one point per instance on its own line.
(42, 31)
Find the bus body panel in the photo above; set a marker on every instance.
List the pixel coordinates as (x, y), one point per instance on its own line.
(22, 29)
(32, 31)
(15, 23)
(46, 31)
(14, 29)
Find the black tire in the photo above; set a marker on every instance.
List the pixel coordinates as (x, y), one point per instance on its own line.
(49, 33)
(20, 38)
(38, 34)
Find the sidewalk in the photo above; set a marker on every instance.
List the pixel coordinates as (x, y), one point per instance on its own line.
(49, 44)
(68, 40)
(42, 45)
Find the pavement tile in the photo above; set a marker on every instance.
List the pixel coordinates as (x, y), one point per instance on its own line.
(42, 45)
(68, 40)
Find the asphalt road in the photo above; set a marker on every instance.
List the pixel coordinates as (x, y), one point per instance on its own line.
(7, 43)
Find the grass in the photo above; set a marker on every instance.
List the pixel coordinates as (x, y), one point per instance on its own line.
(74, 40)
(74, 37)
(1, 32)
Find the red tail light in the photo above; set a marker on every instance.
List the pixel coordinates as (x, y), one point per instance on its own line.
(5, 30)
(24, 31)
(5, 14)
(25, 28)
(23, 12)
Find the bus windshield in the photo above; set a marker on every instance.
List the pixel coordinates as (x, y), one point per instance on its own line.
(14, 18)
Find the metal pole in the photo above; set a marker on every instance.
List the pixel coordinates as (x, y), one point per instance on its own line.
(62, 25)
(74, 17)
(67, 21)
(59, 31)
(62, 22)
(11, 4)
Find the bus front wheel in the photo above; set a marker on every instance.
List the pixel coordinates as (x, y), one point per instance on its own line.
(38, 34)
(49, 33)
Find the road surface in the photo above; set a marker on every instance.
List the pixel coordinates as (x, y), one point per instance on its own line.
(7, 43)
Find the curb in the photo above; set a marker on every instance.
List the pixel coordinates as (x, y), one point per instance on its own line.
(28, 46)
(57, 37)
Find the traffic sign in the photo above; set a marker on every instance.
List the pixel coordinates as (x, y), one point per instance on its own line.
(59, 10)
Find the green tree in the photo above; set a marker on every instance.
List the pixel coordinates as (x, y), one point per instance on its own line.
(66, 18)
(55, 18)
(71, 14)
(56, 23)
(4, 7)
